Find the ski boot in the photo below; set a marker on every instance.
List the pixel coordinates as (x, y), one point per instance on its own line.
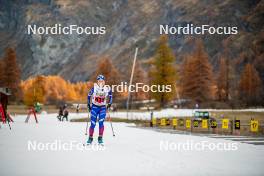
(100, 140)
(89, 141)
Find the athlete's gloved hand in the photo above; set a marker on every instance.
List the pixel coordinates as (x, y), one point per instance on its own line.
(89, 107)
(108, 106)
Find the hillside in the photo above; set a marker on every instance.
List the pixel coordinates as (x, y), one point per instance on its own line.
(129, 23)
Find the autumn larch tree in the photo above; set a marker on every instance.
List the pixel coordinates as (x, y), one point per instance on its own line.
(53, 89)
(139, 77)
(222, 81)
(2, 73)
(11, 73)
(106, 68)
(110, 72)
(187, 79)
(197, 75)
(35, 91)
(164, 72)
(250, 86)
(259, 64)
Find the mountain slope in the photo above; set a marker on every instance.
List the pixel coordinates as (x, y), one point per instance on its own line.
(129, 23)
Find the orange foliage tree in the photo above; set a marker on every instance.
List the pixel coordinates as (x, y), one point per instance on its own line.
(10, 73)
(197, 75)
(34, 91)
(222, 81)
(139, 77)
(163, 72)
(250, 86)
(106, 68)
(110, 72)
(53, 89)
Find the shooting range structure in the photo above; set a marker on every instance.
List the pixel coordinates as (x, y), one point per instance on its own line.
(5, 117)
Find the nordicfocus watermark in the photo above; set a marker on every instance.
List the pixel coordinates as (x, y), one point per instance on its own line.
(139, 87)
(58, 145)
(191, 29)
(67, 30)
(190, 145)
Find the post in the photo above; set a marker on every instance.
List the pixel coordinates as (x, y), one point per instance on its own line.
(131, 79)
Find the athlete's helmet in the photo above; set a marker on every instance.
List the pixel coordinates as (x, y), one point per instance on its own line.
(100, 77)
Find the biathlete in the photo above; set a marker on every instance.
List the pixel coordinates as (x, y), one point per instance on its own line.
(101, 97)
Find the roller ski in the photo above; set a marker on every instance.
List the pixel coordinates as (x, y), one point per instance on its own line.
(89, 141)
(100, 141)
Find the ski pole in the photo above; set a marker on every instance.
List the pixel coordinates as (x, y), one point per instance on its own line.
(110, 120)
(8, 121)
(87, 124)
(9, 124)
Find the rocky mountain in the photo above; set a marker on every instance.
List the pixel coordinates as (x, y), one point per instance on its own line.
(129, 23)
